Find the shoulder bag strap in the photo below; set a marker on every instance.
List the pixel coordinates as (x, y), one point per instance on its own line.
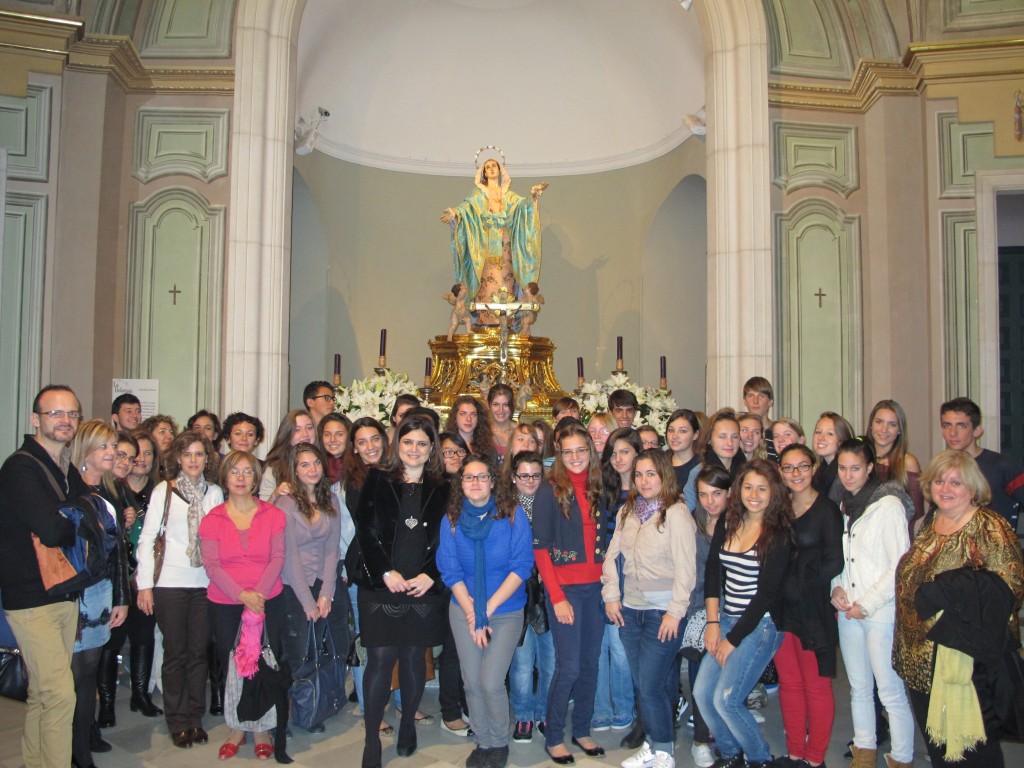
(46, 471)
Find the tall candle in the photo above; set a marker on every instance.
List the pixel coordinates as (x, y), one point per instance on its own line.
(428, 369)
(663, 366)
(383, 341)
(618, 347)
(337, 364)
(579, 367)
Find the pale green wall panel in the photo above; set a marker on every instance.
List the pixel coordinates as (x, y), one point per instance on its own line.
(815, 155)
(964, 149)
(192, 142)
(175, 275)
(820, 338)
(806, 38)
(189, 29)
(25, 133)
(961, 15)
(960, 295)
(21, 311)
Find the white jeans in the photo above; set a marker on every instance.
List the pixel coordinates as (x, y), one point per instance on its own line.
(867, 655)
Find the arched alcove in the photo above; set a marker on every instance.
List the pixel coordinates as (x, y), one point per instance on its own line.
(673, 317)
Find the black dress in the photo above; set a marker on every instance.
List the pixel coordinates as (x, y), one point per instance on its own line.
(398, 529)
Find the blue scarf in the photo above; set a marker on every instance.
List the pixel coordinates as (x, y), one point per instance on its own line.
(476, 528)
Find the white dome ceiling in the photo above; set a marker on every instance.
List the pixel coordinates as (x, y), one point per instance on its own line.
(562, 86)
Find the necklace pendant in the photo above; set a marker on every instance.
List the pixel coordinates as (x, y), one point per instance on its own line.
(411, 522)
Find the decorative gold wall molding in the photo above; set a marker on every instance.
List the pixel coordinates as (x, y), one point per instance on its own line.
(118, 56)
(36, 43)
(924, 66)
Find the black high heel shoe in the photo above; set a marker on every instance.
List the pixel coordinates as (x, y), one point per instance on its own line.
(597, 751)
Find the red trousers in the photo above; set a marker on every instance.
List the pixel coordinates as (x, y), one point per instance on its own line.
(808, 708)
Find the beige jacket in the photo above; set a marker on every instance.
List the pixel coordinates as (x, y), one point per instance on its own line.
(656, 561)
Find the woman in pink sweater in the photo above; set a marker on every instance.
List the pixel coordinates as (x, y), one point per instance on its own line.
(243, 551)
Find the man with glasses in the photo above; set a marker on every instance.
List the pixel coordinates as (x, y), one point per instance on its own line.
(318, 399)
(34, 481)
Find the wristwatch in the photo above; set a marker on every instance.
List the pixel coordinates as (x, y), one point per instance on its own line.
(386, 574)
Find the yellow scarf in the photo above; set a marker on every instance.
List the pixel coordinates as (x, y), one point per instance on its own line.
(954, 715)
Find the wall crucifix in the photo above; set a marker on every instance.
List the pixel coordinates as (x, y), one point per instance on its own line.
(820, 294)
(174, 294)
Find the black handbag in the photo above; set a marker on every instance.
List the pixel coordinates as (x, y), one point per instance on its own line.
(13, 675)
(318, 685)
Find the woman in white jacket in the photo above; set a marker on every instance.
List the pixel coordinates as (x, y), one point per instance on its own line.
(874, 539)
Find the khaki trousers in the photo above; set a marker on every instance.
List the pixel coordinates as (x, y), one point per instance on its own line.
(46, 636)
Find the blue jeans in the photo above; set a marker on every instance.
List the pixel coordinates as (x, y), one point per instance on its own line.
(720, 692)
(650, 664)
(614, 701)
(575, 662)
(536, 651)
(357, 672)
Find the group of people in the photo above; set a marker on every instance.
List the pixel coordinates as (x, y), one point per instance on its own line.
(552, 564)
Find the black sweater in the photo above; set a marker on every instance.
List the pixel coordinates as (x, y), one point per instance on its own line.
(29, 505)
(767, 599)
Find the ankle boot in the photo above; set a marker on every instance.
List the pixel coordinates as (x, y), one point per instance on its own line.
(106, 687)
(141, 666)
(216, 680)
(863, 758)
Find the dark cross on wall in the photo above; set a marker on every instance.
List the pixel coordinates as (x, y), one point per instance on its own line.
(820, 296)
(174, 294)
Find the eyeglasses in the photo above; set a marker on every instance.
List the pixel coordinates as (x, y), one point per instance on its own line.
(450, 453)
(122, 456)
(73, 415)
(789, 469)
(241, 472)
(477, 478)
(525, 477)
(321, 397)
(570, 452)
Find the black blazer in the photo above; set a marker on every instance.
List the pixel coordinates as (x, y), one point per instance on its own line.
(377, 521)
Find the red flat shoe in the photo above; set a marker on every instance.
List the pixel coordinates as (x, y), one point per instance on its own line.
(227, 751)
(264, 751)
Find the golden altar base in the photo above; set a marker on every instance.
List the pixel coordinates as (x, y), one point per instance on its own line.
(462, 365)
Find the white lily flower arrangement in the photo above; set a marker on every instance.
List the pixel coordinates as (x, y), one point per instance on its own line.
(656, 405)
(374, 396)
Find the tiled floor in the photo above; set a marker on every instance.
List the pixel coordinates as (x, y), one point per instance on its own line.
(141, 742)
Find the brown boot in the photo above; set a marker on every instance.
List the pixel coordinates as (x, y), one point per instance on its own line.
(863, 758)
(893, 763)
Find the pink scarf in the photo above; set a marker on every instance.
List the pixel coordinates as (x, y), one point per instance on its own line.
(250, 643)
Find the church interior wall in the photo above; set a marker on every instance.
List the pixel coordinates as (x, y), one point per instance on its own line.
(390, 262)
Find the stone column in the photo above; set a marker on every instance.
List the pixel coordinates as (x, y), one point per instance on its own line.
(741, 283)
(255, 359)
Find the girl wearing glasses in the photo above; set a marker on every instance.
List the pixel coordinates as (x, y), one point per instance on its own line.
(806, 660)
(401, 598)
(536, 649)
(569, 542)
(312, 538)
(484, 557)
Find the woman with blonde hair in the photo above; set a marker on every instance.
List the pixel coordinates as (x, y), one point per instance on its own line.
(600, 427)
(965, 555)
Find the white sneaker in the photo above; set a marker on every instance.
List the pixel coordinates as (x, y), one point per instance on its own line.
(642, 759)
(702, 755)
(664, 760)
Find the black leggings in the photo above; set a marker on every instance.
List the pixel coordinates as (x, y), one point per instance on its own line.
(84, 665)
(412, 675)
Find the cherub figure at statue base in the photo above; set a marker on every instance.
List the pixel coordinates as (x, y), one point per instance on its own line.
(460, 314)
(484, 384)
(524, 394)
(528, 317)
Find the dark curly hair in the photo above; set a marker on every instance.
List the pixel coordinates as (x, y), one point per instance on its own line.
(504, 499)
(321, 491)
(482, 441)
(356, 469)
(180, 445)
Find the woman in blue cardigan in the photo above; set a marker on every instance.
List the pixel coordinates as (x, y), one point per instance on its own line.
(485, 555)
